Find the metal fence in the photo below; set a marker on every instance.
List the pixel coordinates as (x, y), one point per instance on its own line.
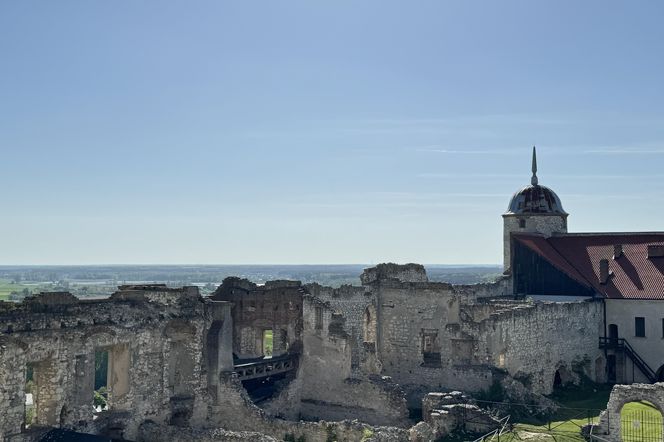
(565, 423)
(495, 434)
(641, 426)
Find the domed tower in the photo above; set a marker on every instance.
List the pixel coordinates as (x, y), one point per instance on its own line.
(535, 209)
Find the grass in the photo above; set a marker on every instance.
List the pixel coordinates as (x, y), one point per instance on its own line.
(579, 406)
(268, 342)
(645, 420)
(642, 420)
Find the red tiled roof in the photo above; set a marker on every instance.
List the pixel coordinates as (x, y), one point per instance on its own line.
(633, 275)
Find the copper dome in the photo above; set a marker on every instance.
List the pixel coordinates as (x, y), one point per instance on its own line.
(535, 200)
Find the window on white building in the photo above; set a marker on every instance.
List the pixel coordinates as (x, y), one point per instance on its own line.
(640, 327)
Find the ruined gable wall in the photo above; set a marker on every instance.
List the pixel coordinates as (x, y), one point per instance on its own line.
(413, 316)
(275, 306)
(351, 303)
(329, 389)
(408, 311)
(401, 272)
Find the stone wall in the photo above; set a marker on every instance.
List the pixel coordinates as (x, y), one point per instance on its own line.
(436, 337)
(401, 272)
(154, 338)
(364, 353)
(356, 305)
(330, 390)
(275, 306)
(414, 346)
(532, 341)
(237, 413)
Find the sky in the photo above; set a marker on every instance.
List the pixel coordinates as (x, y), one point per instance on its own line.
(302, 132)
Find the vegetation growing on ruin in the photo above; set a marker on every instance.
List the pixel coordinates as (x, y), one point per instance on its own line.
(331, 434)
(100, 400)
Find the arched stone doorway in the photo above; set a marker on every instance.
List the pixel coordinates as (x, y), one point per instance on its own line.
(649, 399)
(640, 421)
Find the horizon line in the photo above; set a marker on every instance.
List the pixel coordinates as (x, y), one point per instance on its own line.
(244, 264)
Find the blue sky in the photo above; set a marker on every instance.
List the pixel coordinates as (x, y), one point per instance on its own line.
(320, 132)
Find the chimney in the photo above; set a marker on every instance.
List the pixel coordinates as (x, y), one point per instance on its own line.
(617, 251)
(656, 251)
(603, 271)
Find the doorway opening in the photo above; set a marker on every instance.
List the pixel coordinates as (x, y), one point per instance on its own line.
(100, 394)
(268, 343)
(613, 334)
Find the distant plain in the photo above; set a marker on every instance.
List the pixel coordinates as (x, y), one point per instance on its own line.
(17, 282)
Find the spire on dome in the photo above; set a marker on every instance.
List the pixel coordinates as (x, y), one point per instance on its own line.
(533, 180)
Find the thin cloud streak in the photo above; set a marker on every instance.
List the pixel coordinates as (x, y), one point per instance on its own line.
(580, 176)
(550, 150)
(473, 151)
(626, 151)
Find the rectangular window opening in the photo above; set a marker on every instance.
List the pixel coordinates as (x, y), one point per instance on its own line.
(430, 348)
(318, 320)
(640, 327)
(100, 394)
(30, 395)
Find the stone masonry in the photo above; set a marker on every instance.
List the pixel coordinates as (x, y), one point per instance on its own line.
(365, 352)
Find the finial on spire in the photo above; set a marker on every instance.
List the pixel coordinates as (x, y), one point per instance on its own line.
(533, 180)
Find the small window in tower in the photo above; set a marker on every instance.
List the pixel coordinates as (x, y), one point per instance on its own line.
(522, 223)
